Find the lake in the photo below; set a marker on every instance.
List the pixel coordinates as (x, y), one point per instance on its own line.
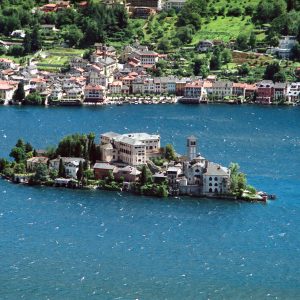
(65, 244)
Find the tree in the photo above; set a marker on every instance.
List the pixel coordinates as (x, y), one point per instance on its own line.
(61, 169)
(271, 70)
(244, 69)
(19, 93)
(185, 34)
(272, 38)
(252, 40)
(36, 39)
(215, 61)
(41, 173)
(279, 77)
(28, 147)
(27, 42)
(33, 99)
(164, 44)
(242, 41)
(238, 180)
(146, 176)
(18, 154)
(170, 152)
(80, 171)
(72, 35)
(16, 51)
(296, 51)
(226, 56)
(3, 164)
(19, 168)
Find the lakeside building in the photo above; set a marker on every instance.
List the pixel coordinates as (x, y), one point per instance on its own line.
(71, 165)
(191, 175)
(133, 148)
(127, 75)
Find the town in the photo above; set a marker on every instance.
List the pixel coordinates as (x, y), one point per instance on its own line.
(133, 162)
(108, 79)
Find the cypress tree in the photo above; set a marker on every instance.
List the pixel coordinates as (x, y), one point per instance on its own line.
(61, 169)
(80, 171)
(19, 93)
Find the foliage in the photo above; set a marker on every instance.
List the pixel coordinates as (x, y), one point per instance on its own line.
(33, 99)
(41, 174)
(244, 69)
(267, 10)
(170, 152)
(80, 171)
(238, 180)
(146, 176)
(4, 163)
(272, 69)
(72, 35)
(61, 169)
(242, 41)
(19, 93)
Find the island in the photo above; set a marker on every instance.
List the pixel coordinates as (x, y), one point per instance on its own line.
(130, 162)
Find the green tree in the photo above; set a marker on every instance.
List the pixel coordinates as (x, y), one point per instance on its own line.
(61, 169)
(27, 42)
(271, 70)
(41, 173)
(33, 99)
(19, 168)
(244, 69)
(3, 164)
(242, 41)
(36, 39)
(146, 176)
(72, 35)
(80, 172)
(279, 77)
(19, 93)
(18, 154)
(226, 56)
(170, 152)
(252, 40)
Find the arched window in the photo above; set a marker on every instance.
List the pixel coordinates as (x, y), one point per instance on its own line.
(197, 171)
(216, 184)
(210, 179)
(210, 190)
(216, 178)
(210, 184)
(216, 190)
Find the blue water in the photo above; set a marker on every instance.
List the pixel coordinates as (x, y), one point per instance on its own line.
(64, 244)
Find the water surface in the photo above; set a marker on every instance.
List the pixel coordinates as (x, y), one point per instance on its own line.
(64, 244)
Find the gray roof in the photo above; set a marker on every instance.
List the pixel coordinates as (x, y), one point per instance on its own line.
(104, 166)
(216, 170)
(110, 134)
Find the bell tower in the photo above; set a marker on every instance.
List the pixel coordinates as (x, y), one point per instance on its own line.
(191, 147)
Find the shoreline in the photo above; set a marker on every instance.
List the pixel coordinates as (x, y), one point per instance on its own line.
(141, 102)
(97, 188)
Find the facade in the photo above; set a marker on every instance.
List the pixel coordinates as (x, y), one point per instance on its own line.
(94, 93)
(293, 92)
(205, 46)
(33, 162)
(176, 4)
(71, 165)
(265, 92)
(133, 149)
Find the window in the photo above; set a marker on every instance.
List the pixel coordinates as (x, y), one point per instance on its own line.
(197, 171)
(216, 184)
(210, 178)
(210, 184)
(216, 190)
(216, 178)
(210, 190)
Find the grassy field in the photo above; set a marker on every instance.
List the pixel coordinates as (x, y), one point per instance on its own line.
(223, 28)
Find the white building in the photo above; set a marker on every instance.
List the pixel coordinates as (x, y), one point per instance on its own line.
(132, 148)
(71, 165)
(216, 179)
(293, 92)
(176, 4)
